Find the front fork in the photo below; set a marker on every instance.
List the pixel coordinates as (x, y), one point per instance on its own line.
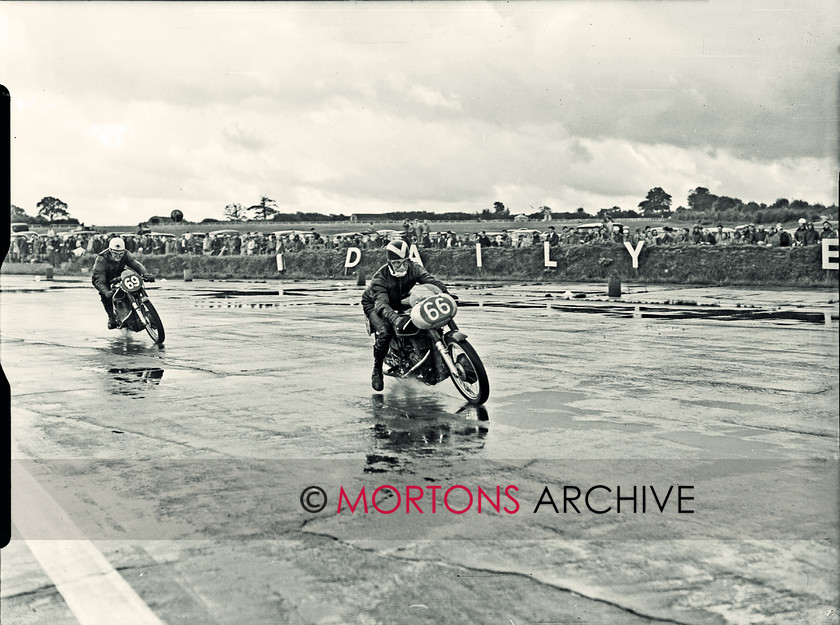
(138, 310)
(440, 341)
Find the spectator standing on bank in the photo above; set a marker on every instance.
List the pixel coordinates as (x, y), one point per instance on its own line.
(779, 238)
(811, 237)
(827, 231)
(799, 235)
(697, 234)
(552, 238)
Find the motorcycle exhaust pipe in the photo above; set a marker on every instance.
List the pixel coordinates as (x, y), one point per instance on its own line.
(420, 362)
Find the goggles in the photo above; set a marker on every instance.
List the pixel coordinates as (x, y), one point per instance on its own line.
(401, 263)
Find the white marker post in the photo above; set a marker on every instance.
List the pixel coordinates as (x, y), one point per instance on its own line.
(478, 255)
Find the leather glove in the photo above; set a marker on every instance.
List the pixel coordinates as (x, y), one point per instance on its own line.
(397, 320)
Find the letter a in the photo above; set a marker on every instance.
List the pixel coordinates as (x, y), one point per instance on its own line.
(546, 493)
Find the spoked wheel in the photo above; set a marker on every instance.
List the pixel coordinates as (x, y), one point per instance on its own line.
(155, 326)
(471, 380)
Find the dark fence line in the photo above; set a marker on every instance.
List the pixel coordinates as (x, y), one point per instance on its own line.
(678, 264)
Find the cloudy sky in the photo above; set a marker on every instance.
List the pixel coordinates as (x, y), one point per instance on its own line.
(127, 110)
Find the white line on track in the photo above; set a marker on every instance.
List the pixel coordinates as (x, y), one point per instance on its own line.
(93, 590)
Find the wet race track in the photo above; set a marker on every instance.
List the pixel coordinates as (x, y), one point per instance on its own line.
(165, 484)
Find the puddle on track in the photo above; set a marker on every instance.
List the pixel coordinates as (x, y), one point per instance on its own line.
(682, 311)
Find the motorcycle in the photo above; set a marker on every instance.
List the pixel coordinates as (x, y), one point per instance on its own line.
(132, 308)
(431, 348)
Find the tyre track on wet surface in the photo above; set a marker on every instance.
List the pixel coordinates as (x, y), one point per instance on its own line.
(237, 384)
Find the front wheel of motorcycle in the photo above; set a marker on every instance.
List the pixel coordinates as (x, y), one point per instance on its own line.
(154, 326)
(471, 380)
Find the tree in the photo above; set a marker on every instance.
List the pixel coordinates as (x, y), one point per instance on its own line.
(235, 212)
(52, 209)
(500, 209)
(724, 203)
(657, 203)
(17, 214)
(700, 199)
(545, 213)
(264, 210)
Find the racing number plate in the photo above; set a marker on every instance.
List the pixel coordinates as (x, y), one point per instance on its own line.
(436, 311)
(131, 282)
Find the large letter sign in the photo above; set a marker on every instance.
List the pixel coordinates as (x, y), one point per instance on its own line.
(548, 261)
(414, 255)
(830, 253)
(634, 253)
(354, 257)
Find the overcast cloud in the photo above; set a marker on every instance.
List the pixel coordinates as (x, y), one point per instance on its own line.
(127, 110)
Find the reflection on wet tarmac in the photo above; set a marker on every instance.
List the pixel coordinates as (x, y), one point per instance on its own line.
(675, 309)
(124, 343)
(131, 381)
(407, 429)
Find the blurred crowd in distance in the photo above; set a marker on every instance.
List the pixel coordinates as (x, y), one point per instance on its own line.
(57, 248)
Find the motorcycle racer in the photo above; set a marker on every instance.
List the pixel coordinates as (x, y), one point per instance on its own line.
(382, 300)
(109, 264)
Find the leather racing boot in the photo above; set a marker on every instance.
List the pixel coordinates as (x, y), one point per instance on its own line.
(376, 379)
(380, 349)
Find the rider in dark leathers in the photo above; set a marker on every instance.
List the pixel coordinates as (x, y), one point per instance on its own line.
(382, 300)
(109, 264)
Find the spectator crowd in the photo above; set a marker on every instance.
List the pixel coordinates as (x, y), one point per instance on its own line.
(55, 249)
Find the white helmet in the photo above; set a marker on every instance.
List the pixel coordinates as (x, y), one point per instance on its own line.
(397, 254)
(116, 247)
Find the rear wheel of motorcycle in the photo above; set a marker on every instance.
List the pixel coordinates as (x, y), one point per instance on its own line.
(155, 326)
(471, 380)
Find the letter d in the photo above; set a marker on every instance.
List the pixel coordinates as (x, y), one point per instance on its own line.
(354, 257)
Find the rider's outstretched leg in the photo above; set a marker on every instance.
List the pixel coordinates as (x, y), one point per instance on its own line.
(108, 304)
(380, 349)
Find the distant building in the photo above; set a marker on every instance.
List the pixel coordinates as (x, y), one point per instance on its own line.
(522, 217)
(367, 217)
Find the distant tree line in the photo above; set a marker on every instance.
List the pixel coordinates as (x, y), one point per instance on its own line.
(51, 210)
(704, 207)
